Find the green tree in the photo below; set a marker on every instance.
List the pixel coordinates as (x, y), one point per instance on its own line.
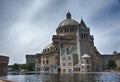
(23, 66)
(111, 64)
(31, 66)
(16, 66)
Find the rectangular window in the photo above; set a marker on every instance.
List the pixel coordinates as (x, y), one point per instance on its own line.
(79, 69)
(64, 70)
(63, 58)
(74, 69)
(69, 64)
(82, 67)
(47, 61)
(69, 70)
(56, 57)
(87, 67)
(87, 61)
(62, 51)
(69, 57)
(64, 64)
(67, 50)
(82, 36)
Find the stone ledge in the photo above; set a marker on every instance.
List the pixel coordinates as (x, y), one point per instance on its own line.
(5, 80)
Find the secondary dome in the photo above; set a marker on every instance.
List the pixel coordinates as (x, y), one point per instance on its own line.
(48, 46)
(68, 21)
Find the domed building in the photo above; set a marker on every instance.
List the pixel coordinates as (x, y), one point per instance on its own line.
(66, 52)
(67, 27)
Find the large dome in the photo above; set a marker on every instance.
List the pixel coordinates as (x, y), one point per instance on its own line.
(68, 21)
(67, 27)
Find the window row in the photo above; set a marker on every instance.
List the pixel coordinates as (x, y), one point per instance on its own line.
(69, 64)
(64, 58)
(47, 62)
(69, 70)
(87, 61)
(83, 67)
(50, 49)
(84, 36)
(77, 69)
(73, 29)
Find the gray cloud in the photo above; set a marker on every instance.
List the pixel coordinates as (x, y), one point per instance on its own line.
(27, 26)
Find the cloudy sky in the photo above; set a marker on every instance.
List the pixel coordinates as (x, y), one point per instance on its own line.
(27, 26)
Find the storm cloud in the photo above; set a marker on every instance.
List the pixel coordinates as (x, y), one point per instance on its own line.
(27, 26)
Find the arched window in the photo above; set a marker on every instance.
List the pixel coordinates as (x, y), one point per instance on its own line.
(87, 67)
(43, 62)
(65, 30)
(86, 36)
(82, 61)
(70, 30)
(56, 49)
(82, 37)
(47, 61)
(61, 30)
(79, 69)
(87, 61)
(45, 50)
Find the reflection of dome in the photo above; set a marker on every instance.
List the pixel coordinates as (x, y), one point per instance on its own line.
(48, 46)
(68, 21)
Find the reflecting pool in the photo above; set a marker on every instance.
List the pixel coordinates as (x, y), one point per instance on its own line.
(84, 77)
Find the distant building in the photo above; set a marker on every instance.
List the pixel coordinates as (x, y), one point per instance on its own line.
(106, 57)
(30, 58)
(4, 60)
(72, 50)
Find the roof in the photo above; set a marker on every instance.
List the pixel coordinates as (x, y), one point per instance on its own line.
(78, 64)
(48, 46)
(68, 21)
(85, 55)
(82, 24)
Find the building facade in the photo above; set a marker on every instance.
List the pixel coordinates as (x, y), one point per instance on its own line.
(106, 57)
(30, 58)
(4, 60)
(72, 50)
(68, 50)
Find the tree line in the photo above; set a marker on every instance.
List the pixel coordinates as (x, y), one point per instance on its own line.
(29, 67)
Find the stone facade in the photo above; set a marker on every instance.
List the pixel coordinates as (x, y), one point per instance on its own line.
(30, 58)
(72, 41)
(86, 63)
(48, 60)
(106, 57)
(4, 65)
(118, 60)
(72, 50)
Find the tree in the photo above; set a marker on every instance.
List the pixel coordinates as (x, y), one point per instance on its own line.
(111, 64)
(31, 66)
(16, 66)
(23, 66)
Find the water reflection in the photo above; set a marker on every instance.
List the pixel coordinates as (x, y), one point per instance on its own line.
(85, 77)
